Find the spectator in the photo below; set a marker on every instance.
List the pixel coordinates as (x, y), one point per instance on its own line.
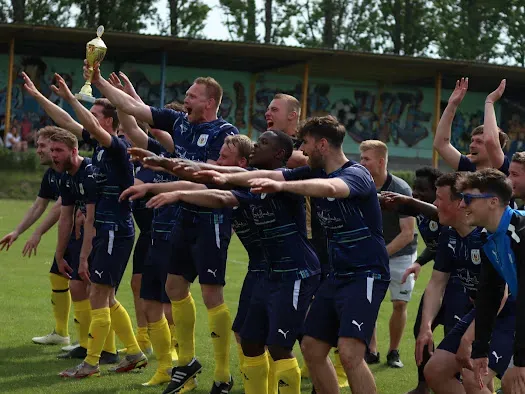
(26, 130)
(14, 142)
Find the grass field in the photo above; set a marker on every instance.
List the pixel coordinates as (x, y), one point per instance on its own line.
(25, 311)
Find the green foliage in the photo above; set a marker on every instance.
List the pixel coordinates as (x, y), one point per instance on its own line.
(42, 12)
(27, 161)
(407, 176)
(20, 184)
(240, 19)
(515, 31)
(186, 18)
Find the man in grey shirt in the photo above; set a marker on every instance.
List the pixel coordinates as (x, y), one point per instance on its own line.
(401, 244)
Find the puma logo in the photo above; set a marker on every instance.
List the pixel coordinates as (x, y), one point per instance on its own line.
(214, 273)
(452, 247)
(99, 273)
(457, 317)
(496, 355)
(282, 332)
(357, 324)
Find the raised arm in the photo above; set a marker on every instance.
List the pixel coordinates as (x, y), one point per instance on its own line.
(407, 205)
(442, 141)
(132, 130)
(59, 116)
(237, 179)
(490, 128)
(209, 198)
(121, 100)
(139, 191)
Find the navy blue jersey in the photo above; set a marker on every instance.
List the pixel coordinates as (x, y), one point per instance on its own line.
(461, 257)
(50, 185)
(113, 173)
(353, 225)
(429, 230)
(280, 220)
(79, 189)
(465, 164)
(143, 215)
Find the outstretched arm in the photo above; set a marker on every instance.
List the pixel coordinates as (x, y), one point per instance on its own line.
(210, 198)
(444, 129)
(407, 205)
(490, 128)
(237, 179)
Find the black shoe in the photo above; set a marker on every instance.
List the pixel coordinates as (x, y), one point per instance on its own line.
(108, 358)
(372, 358)
(180, 375)
(392, 359)
(222, 387)
(78, 352)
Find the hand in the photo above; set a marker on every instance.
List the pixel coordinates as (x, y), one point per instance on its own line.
(210, 176)
(31, 245)
(94, 73)
(128, 86)
(391, 201)
(480, 367)
(415, 268)
(513, 380)
(138, 154)
(134, 192)
(425, 338)
(8, 240)
(29, 86)
(79, 222)
(83, 270)
(114, 80)
(459, 92)
(163, 199)
(184, 168)
(265, 185)
(158, 163)
(64, 268)
(464, 353)
(496, 94)
(62, 90)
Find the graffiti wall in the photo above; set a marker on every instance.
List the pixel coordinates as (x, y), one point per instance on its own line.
(401, 116)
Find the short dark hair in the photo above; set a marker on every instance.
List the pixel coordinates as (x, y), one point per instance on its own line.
(284, 141)
(327, 127)
(450, 179)
(109, 111)
(503, 138)
(431, 173)
(487, 180)
(519, 157)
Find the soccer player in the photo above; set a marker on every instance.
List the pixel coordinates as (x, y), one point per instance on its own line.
(517, 175)
(201, 237)
(486, 195)
(401, 245)
(49, 191)
(113, 241)
(460, 253)
(486, 148)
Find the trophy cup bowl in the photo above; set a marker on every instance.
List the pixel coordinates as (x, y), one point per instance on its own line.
(95, 52)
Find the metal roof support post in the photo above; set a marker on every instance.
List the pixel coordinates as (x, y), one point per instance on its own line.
(162, 79)
(251, 105)
(437, 115)
(304, 97)
(10, 76)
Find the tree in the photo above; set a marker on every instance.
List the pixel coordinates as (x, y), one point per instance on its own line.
(241, 17)
(515, 32)
(187, 17)
(42, 12)
(278, 17)
(469, 29)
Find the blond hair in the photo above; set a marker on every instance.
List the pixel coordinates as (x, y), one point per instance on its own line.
(375, 145)
(48, 131)
(519, 157)
(243, 144)
(293, 104)
(66, 138)
(213, 88)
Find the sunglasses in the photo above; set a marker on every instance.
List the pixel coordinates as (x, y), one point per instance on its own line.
(468, 198)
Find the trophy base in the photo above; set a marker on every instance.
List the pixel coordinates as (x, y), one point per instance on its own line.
(84, 97)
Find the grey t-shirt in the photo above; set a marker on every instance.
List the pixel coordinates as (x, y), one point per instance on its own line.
(391, 219)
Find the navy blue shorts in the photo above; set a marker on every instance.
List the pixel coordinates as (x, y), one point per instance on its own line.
(345, 307)
(456, 303)
(277, 311)
(109, 257)
(155, 272)
(245, 297)
(140, 253)
(501, 344)
(200, 249)
(72, 256)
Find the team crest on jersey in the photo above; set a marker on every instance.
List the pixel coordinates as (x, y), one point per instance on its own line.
(202, 140)
(330, 198)
(475, 256)
(81, 188)
(263, 196)
(433, 226)
(99, 156)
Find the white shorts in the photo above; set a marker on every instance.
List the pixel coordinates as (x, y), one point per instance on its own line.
(398, 266)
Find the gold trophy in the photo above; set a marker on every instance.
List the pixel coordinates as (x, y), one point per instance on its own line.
(95, 52)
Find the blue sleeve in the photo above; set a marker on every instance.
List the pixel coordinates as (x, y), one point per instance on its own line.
(358, 180)
(118, 148)
(90, 189)
(145, 175)
(465, 164)
(164, 118)
(297, 174)
(46, 191)
(87, 138)
(65, 192)
(155, 146)
(505, 166)
(215, 146)
(443, 260)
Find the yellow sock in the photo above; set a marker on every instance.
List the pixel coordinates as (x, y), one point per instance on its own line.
(255, 374)
(110, 345)
(288, 375)
(220, 323)
(273, 384)
(240, 354)
(121, 323)
(143, 338)
(83, 321)
(61, 300)
(184, 316)
(342, 379)
(174, 344)
(98, 331)
(160, 337)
